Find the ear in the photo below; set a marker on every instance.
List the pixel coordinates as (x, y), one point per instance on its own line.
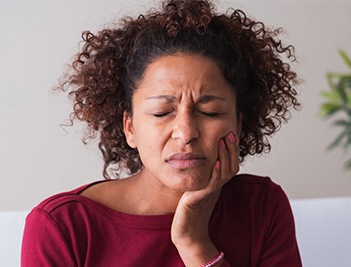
(128, 129)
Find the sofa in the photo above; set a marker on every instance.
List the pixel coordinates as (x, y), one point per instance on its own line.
(323, 228)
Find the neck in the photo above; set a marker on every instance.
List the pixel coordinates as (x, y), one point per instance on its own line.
(150, 197)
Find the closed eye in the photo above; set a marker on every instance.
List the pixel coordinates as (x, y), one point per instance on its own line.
(211, 114)
(160, 115)
(207, 114)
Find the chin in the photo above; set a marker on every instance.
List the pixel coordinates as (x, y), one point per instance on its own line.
(190, 183)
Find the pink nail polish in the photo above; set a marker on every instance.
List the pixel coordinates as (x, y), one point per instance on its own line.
(218, 165)
(232, 137)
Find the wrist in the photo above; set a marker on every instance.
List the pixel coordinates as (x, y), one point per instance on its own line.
(215, 262)
(197, 254)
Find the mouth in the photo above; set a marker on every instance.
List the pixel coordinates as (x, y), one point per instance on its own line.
(185, 160)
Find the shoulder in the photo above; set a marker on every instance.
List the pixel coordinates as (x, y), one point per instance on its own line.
(53, 202)
(66, 216)
(249, 183)
(64, 205)
(257, 199)
(253, 192)
(58, 220)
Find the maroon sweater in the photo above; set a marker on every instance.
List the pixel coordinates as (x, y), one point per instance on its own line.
(252, 224)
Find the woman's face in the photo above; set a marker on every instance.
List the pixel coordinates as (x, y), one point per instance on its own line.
(182, 107)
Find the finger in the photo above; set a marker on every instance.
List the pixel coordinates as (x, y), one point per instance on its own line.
(223, 157)
(232, 144)
(215, 177)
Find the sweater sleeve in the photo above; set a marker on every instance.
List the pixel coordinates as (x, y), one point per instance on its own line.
(44, 243)
(225, 264)
(280, 245)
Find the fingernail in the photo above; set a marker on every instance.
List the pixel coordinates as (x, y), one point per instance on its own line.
(231, 137)
(218, 165)
(221, 143)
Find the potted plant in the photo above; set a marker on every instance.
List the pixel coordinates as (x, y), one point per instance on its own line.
(337, 105)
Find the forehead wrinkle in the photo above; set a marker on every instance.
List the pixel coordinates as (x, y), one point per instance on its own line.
(178, 87)
(203, 99)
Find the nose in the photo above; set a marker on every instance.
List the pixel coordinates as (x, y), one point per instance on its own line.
(185, 128)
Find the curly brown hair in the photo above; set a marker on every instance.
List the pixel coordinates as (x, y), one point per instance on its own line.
(107, 70)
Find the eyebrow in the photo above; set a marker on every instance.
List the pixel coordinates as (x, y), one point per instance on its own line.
(202, 100)
(168, 98)
(208, 98)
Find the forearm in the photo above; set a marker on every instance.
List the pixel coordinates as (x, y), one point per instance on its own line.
(195, 254)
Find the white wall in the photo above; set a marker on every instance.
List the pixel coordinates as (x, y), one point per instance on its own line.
(38, 158)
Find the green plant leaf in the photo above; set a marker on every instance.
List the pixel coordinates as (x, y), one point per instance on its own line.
(338, 99)
(348, 138)
(348, 82)
(348, 164)
(330, 79)
(338, 140)
(345, 57)
(342, 93)
(333, 96)
(337, 76)
(344, 123)
(346, 144)
(328, 109)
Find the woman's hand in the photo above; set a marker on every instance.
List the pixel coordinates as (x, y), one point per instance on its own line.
(190, 233)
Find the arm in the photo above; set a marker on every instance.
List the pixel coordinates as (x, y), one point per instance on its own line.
(44, 243)
(190, 228)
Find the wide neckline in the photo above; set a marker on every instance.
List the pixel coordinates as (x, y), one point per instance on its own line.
(162, 221)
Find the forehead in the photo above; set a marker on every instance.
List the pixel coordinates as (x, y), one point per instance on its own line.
(183, 74)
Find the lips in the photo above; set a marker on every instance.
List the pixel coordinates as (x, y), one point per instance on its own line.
(185, 160)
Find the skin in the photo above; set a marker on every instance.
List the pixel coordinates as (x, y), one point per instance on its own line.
(185, 127)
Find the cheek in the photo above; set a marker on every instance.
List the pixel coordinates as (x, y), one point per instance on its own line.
(148, 154)
(222, 130)
(219, 133)
(149, 142)
(213, 143)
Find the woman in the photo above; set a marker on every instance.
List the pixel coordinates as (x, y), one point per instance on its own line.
(178, 97)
